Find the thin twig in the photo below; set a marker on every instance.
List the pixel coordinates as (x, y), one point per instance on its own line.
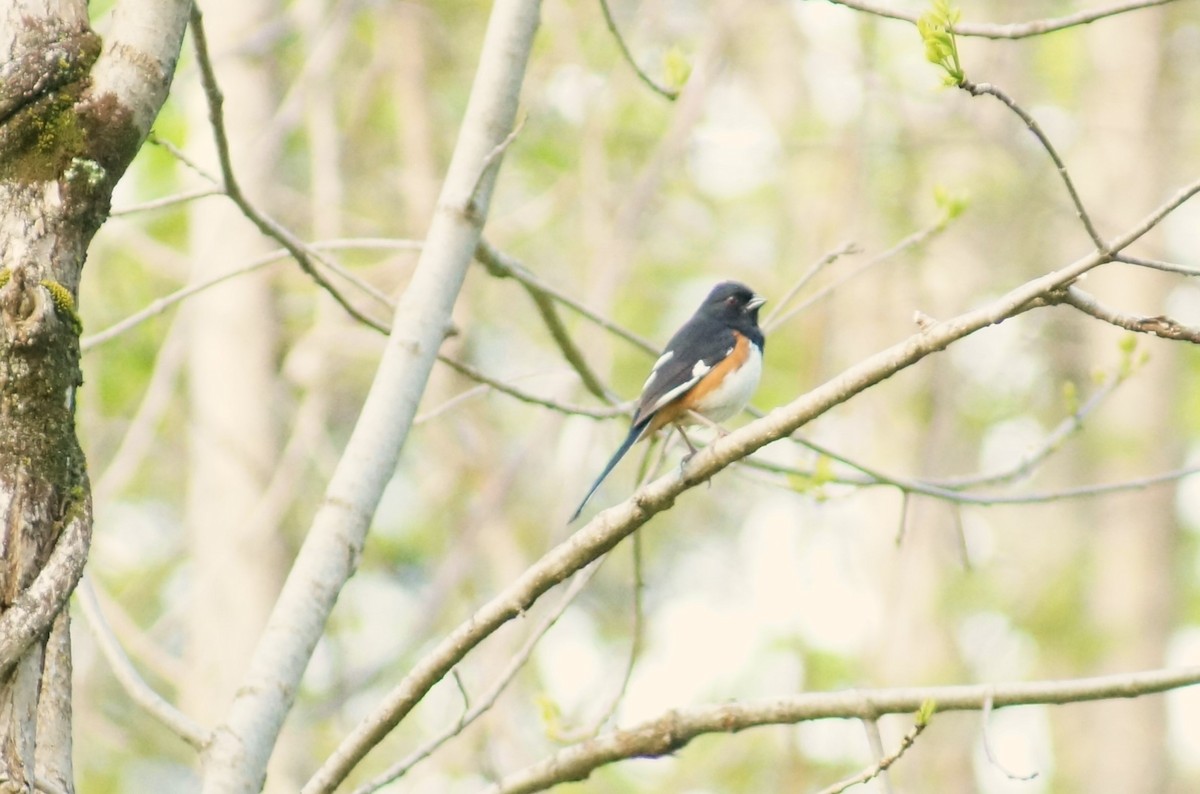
(1158, 264)
(402, 767)
(167, 201)
(128, 677)
(976, 89)
(870, 477)
(1022, 467)
(492, 161)
(985, 718)
(265, 224)
(881, 766)
(902, 530)
(875, 739)
(160, 305)
(846, 248)
(1159, 326)
(1054, 440)
(500, 265)
(182, 156)
(506, 388)
(1016, 30)
(910, 241)
(635, 650)
(667, 93)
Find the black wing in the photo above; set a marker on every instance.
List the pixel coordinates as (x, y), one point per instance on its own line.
(701, 339)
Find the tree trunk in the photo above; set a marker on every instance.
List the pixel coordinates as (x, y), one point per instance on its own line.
(72, 116)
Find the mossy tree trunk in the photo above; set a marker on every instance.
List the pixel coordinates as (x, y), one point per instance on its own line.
(73, 112)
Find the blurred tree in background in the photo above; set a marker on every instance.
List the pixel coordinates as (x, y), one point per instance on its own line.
(1014, 514)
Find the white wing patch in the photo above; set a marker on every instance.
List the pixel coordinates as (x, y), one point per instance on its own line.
(663, 359)
(699, 370)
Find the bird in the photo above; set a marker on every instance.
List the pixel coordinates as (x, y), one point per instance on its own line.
(710, 368)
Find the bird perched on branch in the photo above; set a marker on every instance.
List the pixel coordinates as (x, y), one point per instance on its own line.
(710, 368)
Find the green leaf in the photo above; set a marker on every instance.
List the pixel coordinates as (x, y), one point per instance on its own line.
(952, 203)
(941, 47)
(676, 68)
(1070, 394)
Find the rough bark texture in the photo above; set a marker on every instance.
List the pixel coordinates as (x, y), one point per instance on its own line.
(65, 139)
(42, 484)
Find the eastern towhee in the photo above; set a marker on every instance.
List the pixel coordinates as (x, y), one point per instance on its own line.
(711, 367)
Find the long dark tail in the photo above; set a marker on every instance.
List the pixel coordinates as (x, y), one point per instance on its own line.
(635, 433)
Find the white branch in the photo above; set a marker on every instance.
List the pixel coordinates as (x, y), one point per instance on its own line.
(139, 56)
(237, 757)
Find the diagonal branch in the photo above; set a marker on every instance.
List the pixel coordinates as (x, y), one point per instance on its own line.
(976, 89)
(505, 266)
(473, 713)
(611, 526)
(266, 225)
(501, 266)
(1159, 326)
(131, 681)
(30, 615)
(237, 756)
(666, 93)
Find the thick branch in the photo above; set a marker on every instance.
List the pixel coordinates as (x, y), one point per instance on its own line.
(237, 757)
(611, 526)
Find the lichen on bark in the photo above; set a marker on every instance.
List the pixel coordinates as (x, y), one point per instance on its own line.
(42, 470)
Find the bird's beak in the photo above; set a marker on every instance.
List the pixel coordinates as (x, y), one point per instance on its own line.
(755, 302)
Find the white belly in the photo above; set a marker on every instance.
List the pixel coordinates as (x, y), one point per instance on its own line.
(735, 391)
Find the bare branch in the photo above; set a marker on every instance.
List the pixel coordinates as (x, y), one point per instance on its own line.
(881, 766)
(500, 266)
(1054, 440)
(985, 718)
(160, 305)
(675, 729)
(976, 89)
(401, 768)
(524, 396)
(815, 268)
(1016, 30)
(669, 94)
(872, 477)
(505, 265)
(167, 201)
(266, 225)
(910, 241)
(1158, 264)
(611, 526)
(237, 756)
(130, 680)
(1160, 326)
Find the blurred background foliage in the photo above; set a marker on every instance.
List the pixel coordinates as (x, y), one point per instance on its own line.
(802, 127)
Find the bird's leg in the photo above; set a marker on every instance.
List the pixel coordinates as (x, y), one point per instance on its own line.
(691, 447)
(701, 419)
